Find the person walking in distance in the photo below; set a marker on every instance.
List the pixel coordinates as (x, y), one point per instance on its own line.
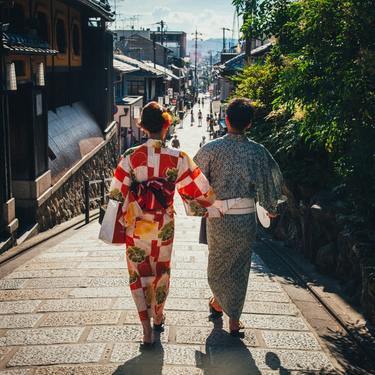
(175, 142)
(145, 181)
(203, 141)
(240, 171)
(192, 117)
(200, 118)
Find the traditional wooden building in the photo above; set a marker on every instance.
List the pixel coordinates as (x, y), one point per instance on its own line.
(56, 96)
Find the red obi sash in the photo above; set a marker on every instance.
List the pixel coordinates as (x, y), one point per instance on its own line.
(154, 195)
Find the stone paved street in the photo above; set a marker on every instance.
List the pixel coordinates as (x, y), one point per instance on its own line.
(68, 310)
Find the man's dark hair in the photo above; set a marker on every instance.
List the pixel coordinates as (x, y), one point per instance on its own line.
(240, 113)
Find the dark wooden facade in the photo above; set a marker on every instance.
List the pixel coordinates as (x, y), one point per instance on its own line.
(62, 54)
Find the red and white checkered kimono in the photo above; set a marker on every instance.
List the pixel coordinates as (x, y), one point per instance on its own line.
(150, 224)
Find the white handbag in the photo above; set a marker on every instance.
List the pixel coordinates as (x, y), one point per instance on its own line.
(112, 230)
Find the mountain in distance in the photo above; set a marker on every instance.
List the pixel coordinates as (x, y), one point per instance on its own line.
(213, 44)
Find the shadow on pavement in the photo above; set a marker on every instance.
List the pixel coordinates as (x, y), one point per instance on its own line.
(148, 362)
(225, 355)
(274, 363)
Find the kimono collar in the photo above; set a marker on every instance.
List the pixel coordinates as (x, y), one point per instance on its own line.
(156, 143)
(236, 137)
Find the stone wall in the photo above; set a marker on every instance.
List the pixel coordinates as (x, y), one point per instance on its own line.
(327, 233)
(68, 200)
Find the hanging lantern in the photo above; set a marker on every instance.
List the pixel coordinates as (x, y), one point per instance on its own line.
(40, 81)
(11, 77)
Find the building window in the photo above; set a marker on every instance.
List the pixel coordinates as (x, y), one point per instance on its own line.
(76, 40)
(61, 36)
(136, 88)
(43, 26)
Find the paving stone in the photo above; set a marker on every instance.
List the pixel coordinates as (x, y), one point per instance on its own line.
(188, 274)
(212, 337)
(185, 293)
(17, 372)
(126, 333)
(26, 294)
(124, 304)
(77, 370)
(18, 307)
(3, 352)
(84, 304)
(264, 287)
(63, 255)
(290, 340)
(186, 304)
(267, 296)
(45, 273)
(111, 265)
(274, 322)
(119, 272)
(100, 292)
(190, 266)
(57, 354)
(270, 308)
(41, 336)
(192, 283)
(168, 354)
(109, 282)
(19, 321)
(100, 259)
(48, 266)
(271, 359)
(81, 318)
(62, 282)
(188, 318)
(12, 283)
(173, 370)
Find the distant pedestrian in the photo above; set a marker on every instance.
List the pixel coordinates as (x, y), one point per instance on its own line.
(202, 102)
(175, 142)
(200, 118)
(208, 118)
(203, 141)
(192, 118)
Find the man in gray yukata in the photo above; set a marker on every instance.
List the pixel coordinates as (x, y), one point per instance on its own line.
(240, 171)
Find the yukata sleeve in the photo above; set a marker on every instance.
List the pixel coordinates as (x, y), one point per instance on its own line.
(193, 187)
(202, 159)
(269, 182)
(120, 190)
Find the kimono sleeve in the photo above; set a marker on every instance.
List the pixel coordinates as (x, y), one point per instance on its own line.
(194, 187)
(120, 189)
(269, 182)
(202, 158)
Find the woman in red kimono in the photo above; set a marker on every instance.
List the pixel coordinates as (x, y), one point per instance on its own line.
(145, 180)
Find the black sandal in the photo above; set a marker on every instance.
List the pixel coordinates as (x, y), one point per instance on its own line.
(146, 346)
(214, 314)
(159, 327)
(237, 332)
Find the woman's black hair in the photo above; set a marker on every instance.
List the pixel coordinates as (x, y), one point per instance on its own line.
(152, 118)
(240, 113)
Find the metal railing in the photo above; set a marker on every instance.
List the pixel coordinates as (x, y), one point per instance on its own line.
(100, 198)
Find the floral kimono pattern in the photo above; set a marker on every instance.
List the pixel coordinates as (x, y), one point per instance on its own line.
(143, 174)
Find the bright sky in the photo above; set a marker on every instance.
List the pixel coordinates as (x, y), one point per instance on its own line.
(181, 15)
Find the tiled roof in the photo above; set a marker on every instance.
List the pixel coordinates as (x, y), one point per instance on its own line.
(26, 45)
(138, 64)
(162, 69)
(100, 6)
(123, 67)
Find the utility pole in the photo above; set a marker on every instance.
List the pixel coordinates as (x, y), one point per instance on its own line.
(162, 25)
(154, 48)
(197, 36)
(224, 42)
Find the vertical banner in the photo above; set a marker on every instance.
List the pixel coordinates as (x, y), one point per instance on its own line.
(166, 100)
(161, 100)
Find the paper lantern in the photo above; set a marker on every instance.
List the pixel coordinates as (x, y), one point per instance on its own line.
(40, 81)
(11, 77)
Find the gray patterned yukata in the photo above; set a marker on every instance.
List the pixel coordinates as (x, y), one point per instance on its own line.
(236, 167)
